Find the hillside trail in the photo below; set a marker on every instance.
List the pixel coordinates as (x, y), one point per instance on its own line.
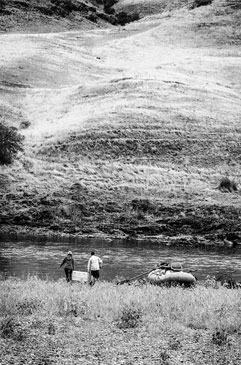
(62, 80)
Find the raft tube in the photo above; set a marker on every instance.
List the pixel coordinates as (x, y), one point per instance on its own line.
(168, 277)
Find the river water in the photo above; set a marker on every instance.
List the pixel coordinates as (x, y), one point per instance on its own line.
(120, 258)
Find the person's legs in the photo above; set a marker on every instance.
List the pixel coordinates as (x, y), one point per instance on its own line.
(66, 274)
(70, 274)
(95, 274)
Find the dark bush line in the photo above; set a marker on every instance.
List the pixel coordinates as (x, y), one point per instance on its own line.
(63, 8)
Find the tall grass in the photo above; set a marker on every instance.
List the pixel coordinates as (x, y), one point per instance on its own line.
(201, 307)
(127, 324)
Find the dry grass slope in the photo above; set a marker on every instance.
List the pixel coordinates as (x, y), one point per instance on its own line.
(149, 111)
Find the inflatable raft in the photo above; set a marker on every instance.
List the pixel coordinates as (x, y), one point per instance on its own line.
(171, 274)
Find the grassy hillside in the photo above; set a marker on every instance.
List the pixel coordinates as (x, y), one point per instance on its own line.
(128, 130)
(54, 323)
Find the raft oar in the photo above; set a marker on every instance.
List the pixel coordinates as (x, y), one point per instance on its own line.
(135, 277)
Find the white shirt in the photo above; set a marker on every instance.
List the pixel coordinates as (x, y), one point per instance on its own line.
(94, 263)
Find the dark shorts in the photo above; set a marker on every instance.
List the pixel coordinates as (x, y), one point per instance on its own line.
(95, 273)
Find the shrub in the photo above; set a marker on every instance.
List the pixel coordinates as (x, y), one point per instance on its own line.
(143, 205)
(219, 337)
(63, 7)
(227, 185)
(109, 3)
(130, 317)
(109, 11)
(10, 144)
(164, 358)
(28, 306)
(235, 4)
(25, 124)
(124, 18)
(10, 328)
(92, 17)
(2, 4)
(197, 3)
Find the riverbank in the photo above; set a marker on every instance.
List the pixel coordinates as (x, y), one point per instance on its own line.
(178, 225)
(46, 322)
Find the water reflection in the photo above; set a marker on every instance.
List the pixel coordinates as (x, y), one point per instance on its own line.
(120, 258)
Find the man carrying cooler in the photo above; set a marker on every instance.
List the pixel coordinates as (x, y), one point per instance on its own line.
(94, 266)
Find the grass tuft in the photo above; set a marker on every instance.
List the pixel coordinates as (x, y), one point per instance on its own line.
(130, 317)
(10, 328)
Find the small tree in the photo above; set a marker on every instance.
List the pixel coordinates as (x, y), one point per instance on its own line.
(11, 142)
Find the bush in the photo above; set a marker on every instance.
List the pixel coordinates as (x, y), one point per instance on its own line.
(219, 337)
(2, 4)
(63, 7)
(92, 17)
(130, 317)
(28, 306)
(10, 328)
(227, 185)
(25, 124)
(197, 3)
(109, 11)
(235, 4)
(143, 205)
(109, 3)
(124, 18)
(10, 144)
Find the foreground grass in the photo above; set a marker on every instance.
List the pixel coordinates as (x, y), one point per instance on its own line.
(44, 322)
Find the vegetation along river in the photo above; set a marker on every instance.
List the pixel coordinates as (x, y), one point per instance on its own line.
(120, 258)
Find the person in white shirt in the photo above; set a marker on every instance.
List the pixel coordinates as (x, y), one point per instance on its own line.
(94, 266)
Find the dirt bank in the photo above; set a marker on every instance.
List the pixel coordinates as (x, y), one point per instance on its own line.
(180, 224)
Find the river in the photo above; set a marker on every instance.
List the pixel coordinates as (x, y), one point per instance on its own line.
(123, 259)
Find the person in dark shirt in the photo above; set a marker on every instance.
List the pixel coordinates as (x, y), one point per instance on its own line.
(68, 264)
